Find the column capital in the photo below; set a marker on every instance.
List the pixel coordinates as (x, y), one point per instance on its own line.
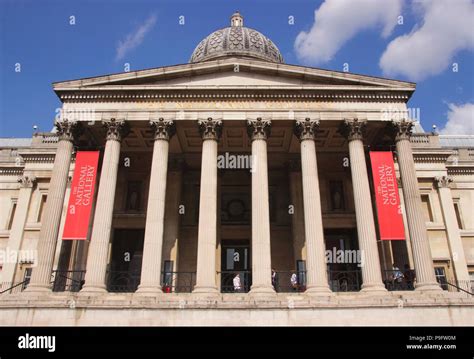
(306, 129)
(27, 181)
(353, 129)
(116, 129)
(259, 129)
(210, 129)
(443, 181)
(164, 129)
(68, 130)
(401, 130)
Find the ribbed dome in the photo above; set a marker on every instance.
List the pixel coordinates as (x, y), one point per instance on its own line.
(236, 40)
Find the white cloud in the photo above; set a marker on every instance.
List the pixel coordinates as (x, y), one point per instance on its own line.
(460, 120)
(429, 49)
(135, 38)
(337, 21)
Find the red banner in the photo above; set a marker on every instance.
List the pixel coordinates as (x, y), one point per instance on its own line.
(82, 196)
(386, 197)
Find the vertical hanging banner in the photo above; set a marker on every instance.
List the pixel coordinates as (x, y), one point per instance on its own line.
(82, 196)
(389, 211)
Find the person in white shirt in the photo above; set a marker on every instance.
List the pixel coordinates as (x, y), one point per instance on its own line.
(237, 284)
(294, 281)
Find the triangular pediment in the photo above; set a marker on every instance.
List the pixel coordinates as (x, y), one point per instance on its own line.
(234, 73)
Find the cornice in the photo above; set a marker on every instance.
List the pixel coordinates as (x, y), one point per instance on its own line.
(38, 157)
(9, 171)
(460, 170)
(153, 95)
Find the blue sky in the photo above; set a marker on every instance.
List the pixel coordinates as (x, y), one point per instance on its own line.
(38, 36)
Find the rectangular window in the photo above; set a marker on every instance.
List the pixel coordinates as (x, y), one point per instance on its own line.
(134, 191)
(458, 215)
(471, 278)
(440, 274)
(425, 202)
(336, 190)
(12, 214)
(27, 277)
(42, 204)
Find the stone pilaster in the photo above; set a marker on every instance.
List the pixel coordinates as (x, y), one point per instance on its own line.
(210, 130)
(452, 230)
(371, 273)
(425, 276)
(41, 276)
(102, 226)
(16, 232)
(317, 281)
(258, 131)
(150, 281)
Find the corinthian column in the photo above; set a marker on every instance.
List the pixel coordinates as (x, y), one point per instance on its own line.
(207, 233)
(452, 230)
(102, 226)
(317, 281)
(371, 273)
(425, 276)
(258, 131)
(41, 275)
(152, 247)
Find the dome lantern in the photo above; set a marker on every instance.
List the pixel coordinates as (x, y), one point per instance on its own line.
(236, 19)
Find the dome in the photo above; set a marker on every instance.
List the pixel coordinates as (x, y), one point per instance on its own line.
(236, 40)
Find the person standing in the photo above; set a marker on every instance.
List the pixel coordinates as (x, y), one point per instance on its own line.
(237, 283)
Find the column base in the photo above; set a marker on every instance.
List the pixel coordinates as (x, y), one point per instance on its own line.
(93, 290)
(149, 290)
(205, 290)
(373, 289)
(262, 291)
(318, 290)
(37, 289)
(433, 287)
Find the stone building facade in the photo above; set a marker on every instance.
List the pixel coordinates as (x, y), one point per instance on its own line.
(236, 163)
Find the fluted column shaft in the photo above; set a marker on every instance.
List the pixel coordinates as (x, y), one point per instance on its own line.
(259, 130)
(425, 276)
(41, 275)
(150, 281)
(317, 281)
(102, 226)
(371, 272)
(207, 232)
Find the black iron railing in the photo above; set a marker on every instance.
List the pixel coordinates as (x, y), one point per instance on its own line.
(289, 281)
(230, 284)
(68, 280)
(344, 280)
(178, 282)
(399, 280)
(16, 288)
(120, 281)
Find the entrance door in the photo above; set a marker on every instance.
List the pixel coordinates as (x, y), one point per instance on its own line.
(126, 260)
(235, 267)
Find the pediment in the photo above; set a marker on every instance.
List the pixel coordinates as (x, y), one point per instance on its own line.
(234, 73)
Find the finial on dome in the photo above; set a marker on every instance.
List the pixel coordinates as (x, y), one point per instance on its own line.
(236, 19)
